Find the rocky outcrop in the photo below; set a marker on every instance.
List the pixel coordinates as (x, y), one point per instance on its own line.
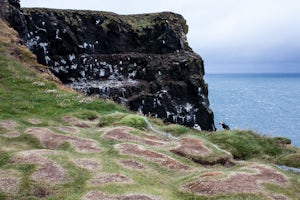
(141, 61)
(10, 11)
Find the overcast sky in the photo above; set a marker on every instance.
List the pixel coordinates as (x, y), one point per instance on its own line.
(231, 35)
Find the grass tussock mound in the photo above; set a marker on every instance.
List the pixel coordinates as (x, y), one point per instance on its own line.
(134, 121)
(245, 144)
(292, 160)
(124, 119)
(175, 129)
(197, 151)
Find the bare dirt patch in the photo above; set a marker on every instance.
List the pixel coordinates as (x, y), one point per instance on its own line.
(33, 156)
(13, 134)
(68, 129)
(191, 147)
(34, 121)
(49, 139)
(136, 150)
(96, 195)
(87, 164)
(101, 179)
(8, 124)
(9, 182)
(41, 192)
(133, 164)
(278, 197)
(76, 122)
(157, 138)
(48, 171)
(239, 182)
(123, 135)
(208, 174)
(195, 150)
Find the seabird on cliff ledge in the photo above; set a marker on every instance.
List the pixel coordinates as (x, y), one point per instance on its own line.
(224, 126)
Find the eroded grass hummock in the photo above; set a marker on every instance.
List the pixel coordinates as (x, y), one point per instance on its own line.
(9, 181)
(139, 151)
(122, 134)
(47, 170)
(49, 139)
(96, 195)
(239, 182)
(133, 164)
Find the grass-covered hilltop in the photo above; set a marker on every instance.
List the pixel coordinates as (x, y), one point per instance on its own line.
(58, 144)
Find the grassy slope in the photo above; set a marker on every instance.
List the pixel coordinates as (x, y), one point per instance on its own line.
(25, 94)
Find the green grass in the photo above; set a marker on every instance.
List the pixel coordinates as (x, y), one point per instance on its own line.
(134, 121)
(245, 144)
(26, 183)
(87, 115)
(292, 160)
(21, 97)
(78, 177)
(66, 146)
(111, 119)
(282, 140)
(175, 129)
(4, 157)
(292, 190)
(30, 140)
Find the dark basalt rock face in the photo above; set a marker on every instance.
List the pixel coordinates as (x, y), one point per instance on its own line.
(141, 61)
(10, 11)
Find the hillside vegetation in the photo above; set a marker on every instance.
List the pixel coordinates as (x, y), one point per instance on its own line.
(58, 144)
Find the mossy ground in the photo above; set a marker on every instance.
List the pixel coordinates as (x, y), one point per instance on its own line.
(247, 144)
(26, 94)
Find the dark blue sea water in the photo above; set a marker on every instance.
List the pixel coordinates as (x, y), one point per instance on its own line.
(266, 103)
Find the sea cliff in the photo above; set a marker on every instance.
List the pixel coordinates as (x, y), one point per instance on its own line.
(141, 61)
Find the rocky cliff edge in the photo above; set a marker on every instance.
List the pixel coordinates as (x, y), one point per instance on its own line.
(142, 61)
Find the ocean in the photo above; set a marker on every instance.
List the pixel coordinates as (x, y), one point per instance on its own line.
(268, 104)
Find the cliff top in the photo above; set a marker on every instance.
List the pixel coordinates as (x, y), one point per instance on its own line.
(145, 33)
(170, 16)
